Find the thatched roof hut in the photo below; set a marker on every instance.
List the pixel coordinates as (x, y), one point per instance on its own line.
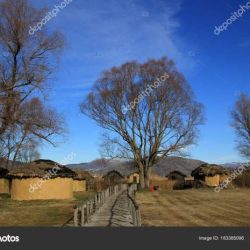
(208, 170)
(210, 174)
(133, 177)
(83, 175)
(176, 175)
(41, 180)
(114, 177)
(41, 169)
(83, 181)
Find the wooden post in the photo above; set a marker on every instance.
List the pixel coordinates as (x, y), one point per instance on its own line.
(98, 198)
(132, 211)
(89, 207)
(87, 212)
(76, 217)
(83, 215)
(139, 217)
(95, 203)
(92, 206)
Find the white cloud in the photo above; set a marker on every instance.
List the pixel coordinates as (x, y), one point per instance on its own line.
(107, 33)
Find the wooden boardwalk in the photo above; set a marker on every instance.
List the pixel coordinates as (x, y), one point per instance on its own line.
(114, 213)
(112, 207)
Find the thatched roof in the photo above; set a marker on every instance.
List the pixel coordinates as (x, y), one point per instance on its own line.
(82, 175)
(123, 172)
(41, 169)
(208, 170)
(8, 164)
(3, 172)
(113, 172)
(176, 172)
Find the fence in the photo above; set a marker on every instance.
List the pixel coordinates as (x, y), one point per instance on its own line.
(82, 213)
(133, 207)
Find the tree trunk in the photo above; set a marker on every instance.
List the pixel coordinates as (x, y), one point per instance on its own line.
(142, 179)
(147, 182)
(147, 177)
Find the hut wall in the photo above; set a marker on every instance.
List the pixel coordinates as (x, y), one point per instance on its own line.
(212, 181)
(79, 185)
(163, 183)
(133, 177)
(223, 177)
(56, 189)
(4, 186)
(166, 184)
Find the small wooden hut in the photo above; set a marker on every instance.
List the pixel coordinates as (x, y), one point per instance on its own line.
(114, 177)
(81, 180)
(176, 175)
(210, 174)
(189, 181)
(41, 180)
(4, 181)
(133, 178)
(85, 175)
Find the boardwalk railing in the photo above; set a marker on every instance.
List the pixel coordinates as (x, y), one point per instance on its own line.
(83, 212)
(133, 207)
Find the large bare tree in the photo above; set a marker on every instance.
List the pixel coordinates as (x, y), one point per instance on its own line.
(26, 62)
(144, 123)
(241, 124)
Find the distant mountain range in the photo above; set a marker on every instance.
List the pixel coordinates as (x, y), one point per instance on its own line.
(100, 167)
(184, 165)
(167, 165)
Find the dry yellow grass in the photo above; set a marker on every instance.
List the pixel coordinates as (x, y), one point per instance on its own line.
(196, 207)
(162, 182)
(38, 213)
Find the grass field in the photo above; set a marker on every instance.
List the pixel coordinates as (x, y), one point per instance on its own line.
(38, 213)
(196, 207)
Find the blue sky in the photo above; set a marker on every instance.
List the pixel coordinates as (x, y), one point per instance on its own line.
(101, 34)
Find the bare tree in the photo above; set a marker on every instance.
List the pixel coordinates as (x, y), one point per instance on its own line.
(153, 125)
(29, 152)
(26, 61)
(241, 124)
(35, 124)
